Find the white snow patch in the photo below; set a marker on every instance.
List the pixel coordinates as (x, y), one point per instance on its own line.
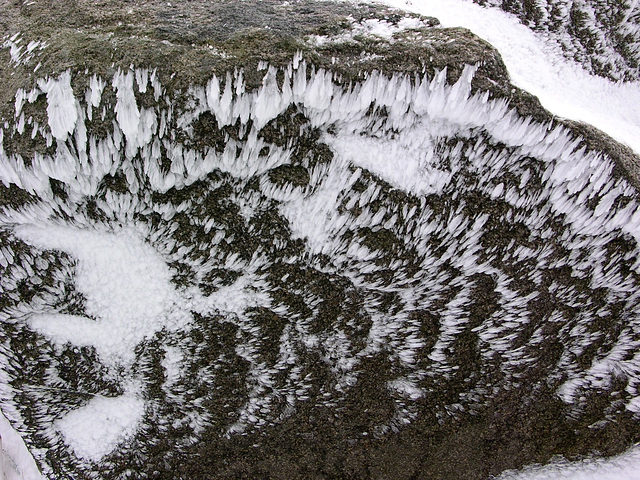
(126, 285)
(97, 428)
(370, 27)
(621, 467)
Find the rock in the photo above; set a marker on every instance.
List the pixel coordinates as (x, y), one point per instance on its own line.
(302, 240)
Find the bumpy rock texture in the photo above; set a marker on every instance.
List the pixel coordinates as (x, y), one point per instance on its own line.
(302, 240)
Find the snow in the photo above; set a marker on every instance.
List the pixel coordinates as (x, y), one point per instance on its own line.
(95, 429)
(126, 285)
(621, 467)
(370, 27)
(128, 298)
(538, 65)
(16, 463)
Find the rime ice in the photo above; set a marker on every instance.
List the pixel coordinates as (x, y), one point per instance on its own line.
(94, 430)
(238, 275)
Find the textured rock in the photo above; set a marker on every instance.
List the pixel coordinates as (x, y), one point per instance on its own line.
(302, 240)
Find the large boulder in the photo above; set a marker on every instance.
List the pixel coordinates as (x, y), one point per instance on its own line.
(302, 240)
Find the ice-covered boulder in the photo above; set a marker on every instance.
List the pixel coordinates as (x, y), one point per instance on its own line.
(302, 240)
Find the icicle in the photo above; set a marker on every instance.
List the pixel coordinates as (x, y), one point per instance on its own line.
(225, 105)
(126, 109)
(20, 99)
(61, 110)
(213, 94)
(269, 102)
(142, 79)
(297, 57)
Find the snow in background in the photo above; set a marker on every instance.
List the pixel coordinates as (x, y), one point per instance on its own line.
(16, 463)
(622, 467)
(539, 66)
(600, 35)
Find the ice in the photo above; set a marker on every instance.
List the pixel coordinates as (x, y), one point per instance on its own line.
(21, 55)
(94, 430)
(213, 93)
(142, 79)
(20, 99)
(137, 125)
(402, 161)
(223, 112)
(94, 94)
(61, 105)
(270, 102)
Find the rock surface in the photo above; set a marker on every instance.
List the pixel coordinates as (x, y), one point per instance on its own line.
(302, 240)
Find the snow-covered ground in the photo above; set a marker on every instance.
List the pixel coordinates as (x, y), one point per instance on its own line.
(16, 463)
(622, 467)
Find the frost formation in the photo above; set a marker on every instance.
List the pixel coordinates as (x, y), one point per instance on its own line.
(302, 235)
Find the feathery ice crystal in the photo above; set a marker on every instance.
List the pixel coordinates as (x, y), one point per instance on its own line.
(214, 262)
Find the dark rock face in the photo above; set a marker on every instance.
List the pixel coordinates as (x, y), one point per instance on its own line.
(302, 251)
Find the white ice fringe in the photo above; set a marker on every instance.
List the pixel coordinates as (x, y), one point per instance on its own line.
(411, 103)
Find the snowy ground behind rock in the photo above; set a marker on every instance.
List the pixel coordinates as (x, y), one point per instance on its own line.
(538, 65)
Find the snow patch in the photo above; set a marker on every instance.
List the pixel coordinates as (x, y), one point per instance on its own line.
(126, 285)
(620, 467)
(95, 430)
